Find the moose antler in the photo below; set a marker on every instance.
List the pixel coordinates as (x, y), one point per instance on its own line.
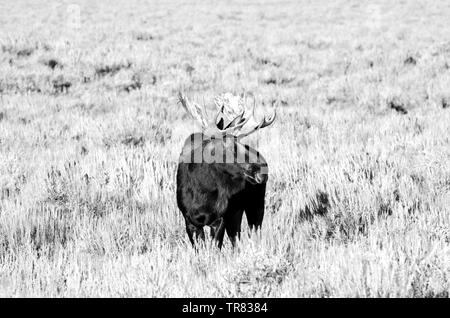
(193, 109)
(231, 115)
(231, 108)
(266, 121)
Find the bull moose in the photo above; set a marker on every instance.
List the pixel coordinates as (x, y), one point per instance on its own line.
(218, 177)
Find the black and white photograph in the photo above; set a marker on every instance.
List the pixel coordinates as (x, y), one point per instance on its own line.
(224, 150)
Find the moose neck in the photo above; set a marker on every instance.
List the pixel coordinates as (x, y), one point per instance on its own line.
(202, 148)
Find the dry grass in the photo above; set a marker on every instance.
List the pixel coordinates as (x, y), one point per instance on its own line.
(359, 192)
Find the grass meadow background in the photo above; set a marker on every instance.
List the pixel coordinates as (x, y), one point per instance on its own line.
(358, 195)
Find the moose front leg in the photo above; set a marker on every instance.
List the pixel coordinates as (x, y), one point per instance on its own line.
(254, 208)
(194, 232)
(233, 225)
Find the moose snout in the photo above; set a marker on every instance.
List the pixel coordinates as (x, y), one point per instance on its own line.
(257, 174)
(261, 177)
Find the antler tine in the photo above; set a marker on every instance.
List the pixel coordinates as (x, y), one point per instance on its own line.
(266, 121)
(236, 120)
(238, 126)
(254, 106)
(182, 100)
(204, 113)
(184, 103)
(193, 109)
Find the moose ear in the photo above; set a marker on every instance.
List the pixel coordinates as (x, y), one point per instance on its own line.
(220, 124)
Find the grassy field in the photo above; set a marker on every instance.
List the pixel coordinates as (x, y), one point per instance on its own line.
(358, 195)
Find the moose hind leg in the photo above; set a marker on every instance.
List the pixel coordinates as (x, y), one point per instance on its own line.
(194, 232)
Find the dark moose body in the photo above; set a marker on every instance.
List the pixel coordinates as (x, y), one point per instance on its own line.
(218, 179)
